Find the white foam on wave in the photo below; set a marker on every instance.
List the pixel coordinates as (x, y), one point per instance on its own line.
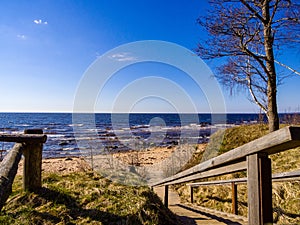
(23, 125)
(76, 125)
(55, 135)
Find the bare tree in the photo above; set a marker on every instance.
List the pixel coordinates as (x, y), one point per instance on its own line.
(249, 34)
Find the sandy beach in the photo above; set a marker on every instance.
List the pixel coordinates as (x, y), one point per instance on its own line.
(61, 165)
(147, 157)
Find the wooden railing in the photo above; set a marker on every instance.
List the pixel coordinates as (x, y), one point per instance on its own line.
(279, 177)
(252, 157)
(30, 145)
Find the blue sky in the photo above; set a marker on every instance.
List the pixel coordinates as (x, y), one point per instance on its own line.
(46, 47)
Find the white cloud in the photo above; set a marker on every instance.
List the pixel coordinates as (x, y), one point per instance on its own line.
(123, 56)
(39, 21)
(21, 36)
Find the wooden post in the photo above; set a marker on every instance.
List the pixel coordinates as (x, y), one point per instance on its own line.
(253, 184)
(234, 199)
(192, 194)
(166, 197)
(8, 171)
(32, 172)
(266, 189)
(259, 189)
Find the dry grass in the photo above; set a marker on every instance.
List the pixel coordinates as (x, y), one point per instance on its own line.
(84, 198)
(286, 195)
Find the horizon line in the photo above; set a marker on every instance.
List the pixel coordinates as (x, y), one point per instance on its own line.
(105, 112)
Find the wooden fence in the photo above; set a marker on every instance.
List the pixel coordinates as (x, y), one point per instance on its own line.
(30, 145)
(279, 177)
(252, 157)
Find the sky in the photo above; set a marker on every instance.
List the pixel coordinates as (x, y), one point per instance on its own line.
(48, 46)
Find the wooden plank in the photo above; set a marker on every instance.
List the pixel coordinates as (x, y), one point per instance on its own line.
(234, 205)
(32, 172)
(292, 174)
(192, 194)
(278, 177)
(23, 138)
(8, 171)
(233, 219)
(280, 140)
(253, 190)
(166, 196)
(286, 176)
(259, 190)
(211, 173)
(266, 189)
(218, 182)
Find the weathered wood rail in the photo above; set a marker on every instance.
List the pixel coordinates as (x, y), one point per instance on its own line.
(30, 145)
(279, 177)
(252, 157)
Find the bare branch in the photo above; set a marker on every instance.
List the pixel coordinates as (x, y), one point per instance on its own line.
(281, 64)
(264, 108)
(274, 10)
(287, 67)
(253, 11)
(258, 58)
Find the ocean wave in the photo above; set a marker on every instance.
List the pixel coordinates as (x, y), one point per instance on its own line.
(75, 125)
(62, 139)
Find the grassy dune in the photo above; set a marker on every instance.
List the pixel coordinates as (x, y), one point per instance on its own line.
(286, 195)
(84, 198)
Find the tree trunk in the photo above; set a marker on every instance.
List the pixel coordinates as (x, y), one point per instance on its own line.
(270, 65)
(273, 118)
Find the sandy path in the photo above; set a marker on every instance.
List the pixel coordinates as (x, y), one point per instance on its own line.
(191, 215)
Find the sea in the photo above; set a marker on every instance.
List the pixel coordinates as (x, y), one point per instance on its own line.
(77, 134)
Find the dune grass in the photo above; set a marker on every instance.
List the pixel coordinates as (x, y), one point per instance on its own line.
(286, 195)
(84, 198)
